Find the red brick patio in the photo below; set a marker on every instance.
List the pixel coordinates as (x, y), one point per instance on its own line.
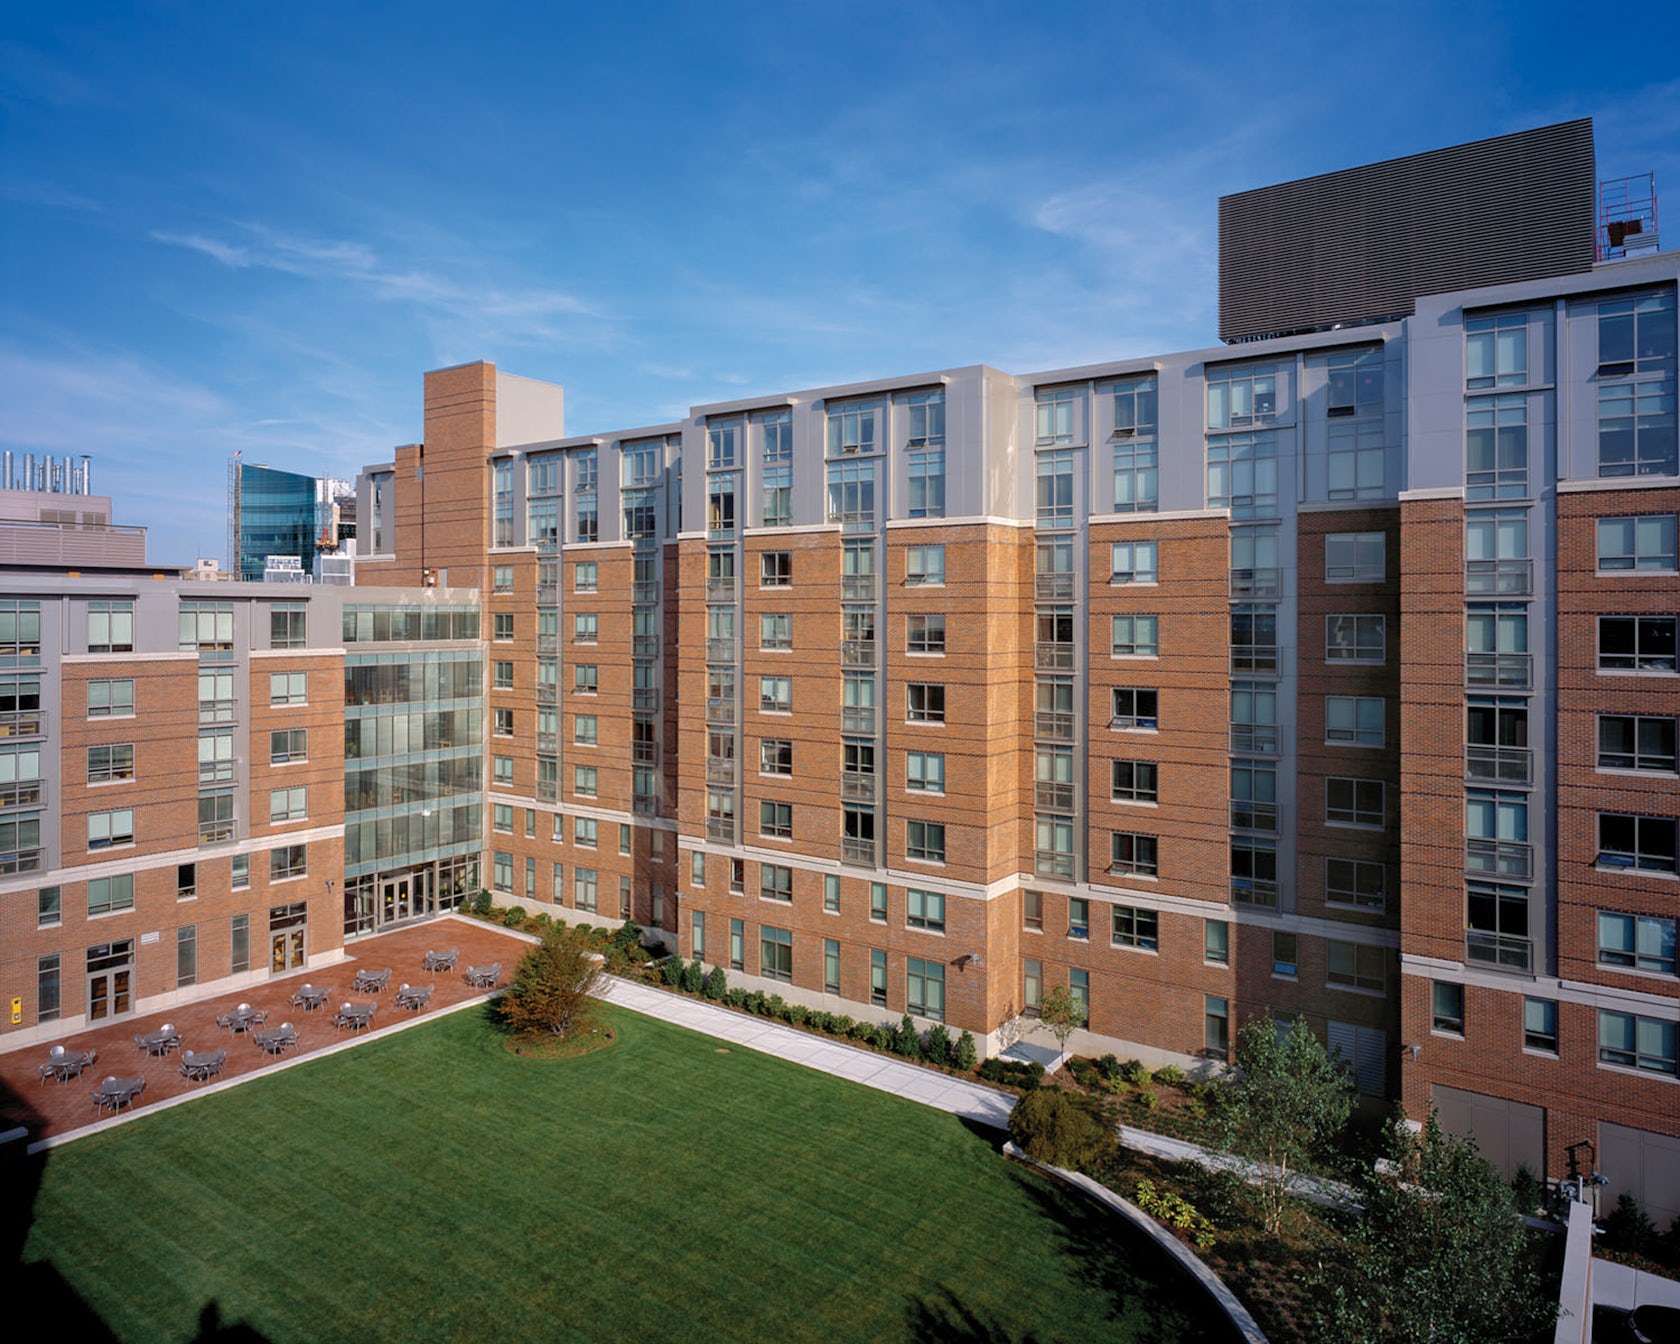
(52, 1110)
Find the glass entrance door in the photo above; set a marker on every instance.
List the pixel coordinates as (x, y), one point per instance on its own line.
(285, 949)
(110, 980)
(408, 896)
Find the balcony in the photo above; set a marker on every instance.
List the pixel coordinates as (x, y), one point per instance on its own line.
(1049, 796)
(209, 833)
(1261, 583)
(548, 742)
(1053, 726)
(857, 718)
(1501, 765)
(720, 770)
(547, 791)
(1508, 671)
(644, 697)
(861, 852)
(1247, 815)
(645, 592)
(1053, 587)
(548, 594)
(1498, 578)
(721, 829)
(856, 787)
(857, 653)
(1499, 951)
(27, 723)
(1254, 737)
(717, 589)
(717, 650)
(1053, 863)
(857, 587)
(548, 642)
(644, 753)
(1499, 858)
(719, 710)
(1255, 659)
(645, 805)
(21, 793)
(547, 693)
(1053, 657)
(1261, 891)
(646, 646)
(853, 520)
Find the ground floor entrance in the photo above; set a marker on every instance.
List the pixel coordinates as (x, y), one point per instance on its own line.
(110, 980)
(374, 902)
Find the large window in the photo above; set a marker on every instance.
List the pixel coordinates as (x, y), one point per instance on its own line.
(1355, 639)
(1353, 720)
(585, 888)
(1636, 942)
(20, 632)
(1636, 386)
(924, 841)
(104, 764)
(775, 953)
(851, 428)
(1644, 844)
(1635, 1042)
(926, 454)
(924, 988)
(924, 771)
(1137, 636)
(206, 626)
(1134, 855)
(1241, 395)
(288, 625)
(1540, 1025)
(851, 493)
(1496, 448)
(1137, 476)
(110, 626)
(924, 565)
(1355, 882)
(1640, 544)
(108, 894)
(1354, 557)
(1137, 928)
(775, 882)
(925, 634)
(775, 695)
(1054, 415)
(107, 830)
(924, 910)
(105, 699)
(775, 756)
(1356, 462)
(288, 688)
(775, 819)
(1135, 708)
(287, 862)
(1355, 966)
(1054, 474)
(1134, 562)
(1496, 351)
(1447, 1007)
(1242, 474)
(925, 702)
(1636, 742)
(775, 630)
(1636, 643)
(1134, 782)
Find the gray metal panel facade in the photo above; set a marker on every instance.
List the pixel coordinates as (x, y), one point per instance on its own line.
(1362, 244)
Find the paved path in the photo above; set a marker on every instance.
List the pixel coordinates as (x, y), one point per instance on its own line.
(971, 1101)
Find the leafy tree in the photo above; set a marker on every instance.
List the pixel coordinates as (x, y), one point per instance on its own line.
(1061, 1012)
(554, 985)
(1286, 1100)
(1439, 1253)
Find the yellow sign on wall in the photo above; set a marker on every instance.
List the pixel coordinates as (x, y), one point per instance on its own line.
(17, 1011)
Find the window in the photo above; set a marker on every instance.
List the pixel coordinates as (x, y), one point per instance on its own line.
(1634, 742)
(585, 781)
(1242, 474)
(20, 631)
(1355, 882)
(288, 861)
(1497, 926)
(1354, 557)
(1639, 544)
(1540, 1025)
(109, 699)
(585, 728)
(1635, 1042)
(501, 771)
(1355, 639)
(501, 722)
(776, 820)
(1134, 782)
(1496, 552)
(877, 978)
(1636, 643)
(925, 702)
(285, 805)
(288, 625)
(501, 580)
(851, 493)
(1054, 415)
(1216, 1027)
(1134, 562)
(1286, 959)
(1636, 347)
(501, 817)
(1216, 942)
(215, 816)
(1353, 802)
(924, 841)
(585, 832)
(775, 631)
(1054, 476)
(924, 565)
(775, 756)
(924, 988)
(1254, 795)
(47, 988)
(878, 902)
(1355, 966)
(924, 771)
(1254, 724)
(1642, 843)
(105, 764)
(1240, 395)
(1496, 351)
(1138, 855)
(775, 953)
(586, 627)
(1636, 942)
(585, 888)
(502, 626)
(924, 910)
(1137, 928)
(926, 454)
(585, 678)
(775, 695)
(205, 626)
(1496, 644)
(775, 882)
(1032, 911)
(831, 893)
(1135, 708)
(105, 830)
(108, 894)
(501, 676)
(1032, 987)
(1137, 479)
(215, 755)
(48, 908)
(1496, 448)
(1136, 636)
(288, 688)
(110, 627)
(1354, 720)
(851, 429)
(925, 634)
(1355, 462)
(186, 955)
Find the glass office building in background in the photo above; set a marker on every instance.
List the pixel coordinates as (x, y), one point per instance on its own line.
(270, 513)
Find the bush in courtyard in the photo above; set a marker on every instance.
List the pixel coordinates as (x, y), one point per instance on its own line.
(1527, 1189)
(1627, 1227)
(1109, 1067)
(884, 1036)
(907, 1041)
(629, 936)
(1133, 1072)
(513, 916)
(842, 1025)
(1169, 1075)
(939, 1045)
(736, 998)
(694, 977)
(481, 904)
(964, 1055)
(861, 1031)
(554, 985)
(1065, 1129)
(798, 1014)
(717, 984)
(1175, 1211)
(1013, 1073)
(672, 971)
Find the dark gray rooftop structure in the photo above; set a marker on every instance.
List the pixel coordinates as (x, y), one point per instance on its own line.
(1360, 245)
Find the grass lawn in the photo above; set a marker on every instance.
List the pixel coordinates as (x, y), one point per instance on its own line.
(433, 1187)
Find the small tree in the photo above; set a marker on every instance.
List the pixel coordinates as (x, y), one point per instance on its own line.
(1065, 1129)
(1062, 1013)
(1440, 1252)
(1287, 1099)
(717, 984)
(554, 984)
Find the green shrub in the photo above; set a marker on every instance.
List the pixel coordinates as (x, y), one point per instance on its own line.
(1175, 1211)
(736, 998)
(939, 1045)
(773, 1006)
(1012, 1073)
(1133, 1072)
(1170, 1075)
(1146, 1098)
(513, 916)
(628, 936)
(1628, 1228)
(1109, 1067)
(907, 1041)
(672, 971)
(861, 1031)
(1065, 1129)
(481, 904)
(965, 1056)
(797, 1014)
(817, 1020)
(841, 1024)
(884, 1036)
(1217, 1191)
(717, 983)
(694, 977)
(541, 923)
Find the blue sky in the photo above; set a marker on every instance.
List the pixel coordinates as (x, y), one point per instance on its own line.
(253, 227)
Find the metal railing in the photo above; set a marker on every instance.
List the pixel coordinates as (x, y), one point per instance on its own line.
(1054, 656)
(857, 851)
(720, 770)
(1053, 587)
(1498, 858)
(1498, 578)
(1502, 765)
(856, 787)
(857, 718)
(1260, 659)
(1500, 951)
(1256, 583)
(1261, 891)
(719, 650)
(1053, 725)
(857, 587)
(719, 588)
(719, 710)
(1052, 863)
(721, 829)
(1052, 796)
(644, 697)
(1511, 671)
(1247, 815)
(857, 652)
(1254, 737)
(644, 646)
(548, 693)
(644, 592)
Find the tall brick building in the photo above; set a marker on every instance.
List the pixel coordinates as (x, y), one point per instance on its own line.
(1329, 671)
